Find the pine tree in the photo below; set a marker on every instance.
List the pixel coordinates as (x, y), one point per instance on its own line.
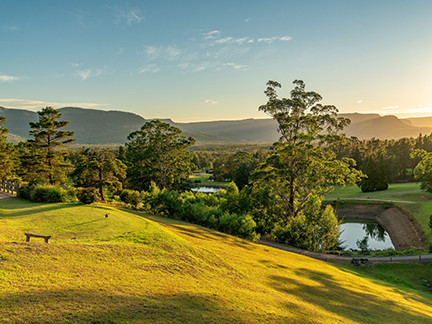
(6, 152)
(44, 151)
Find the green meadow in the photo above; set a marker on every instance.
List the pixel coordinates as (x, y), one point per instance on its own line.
(131, 267)
(204, 180)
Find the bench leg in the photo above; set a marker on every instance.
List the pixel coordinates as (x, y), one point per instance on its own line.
(46, 240)
(27, 238)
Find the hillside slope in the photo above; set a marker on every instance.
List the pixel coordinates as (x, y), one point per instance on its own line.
(127, 268)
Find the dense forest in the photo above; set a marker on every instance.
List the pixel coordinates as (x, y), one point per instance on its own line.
(273, 190)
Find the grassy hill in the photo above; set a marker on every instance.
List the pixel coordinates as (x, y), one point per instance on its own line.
(131, 267)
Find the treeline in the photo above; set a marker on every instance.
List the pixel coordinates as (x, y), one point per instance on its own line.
(383, 161)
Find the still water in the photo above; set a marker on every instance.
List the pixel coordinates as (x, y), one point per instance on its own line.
(206, 189)
(352, 231)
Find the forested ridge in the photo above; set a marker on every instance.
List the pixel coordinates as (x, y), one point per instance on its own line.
(112, 127)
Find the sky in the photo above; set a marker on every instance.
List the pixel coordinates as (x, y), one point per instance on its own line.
(211, 60)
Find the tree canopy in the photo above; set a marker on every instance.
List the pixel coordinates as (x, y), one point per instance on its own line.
(303, 163)
(157, 152)
(99, 168)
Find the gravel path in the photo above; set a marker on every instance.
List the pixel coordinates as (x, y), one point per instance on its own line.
(421, 258)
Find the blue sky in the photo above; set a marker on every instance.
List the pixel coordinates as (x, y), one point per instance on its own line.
(210, 60)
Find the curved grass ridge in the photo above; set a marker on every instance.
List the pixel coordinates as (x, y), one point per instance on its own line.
(132, 267)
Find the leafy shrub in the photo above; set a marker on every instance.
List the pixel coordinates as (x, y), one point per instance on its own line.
(24, 192)
(315, 229)
(229, 223)
(247, 228)
(43, 193)
(132, 197)
(87, 195)
(199, 208)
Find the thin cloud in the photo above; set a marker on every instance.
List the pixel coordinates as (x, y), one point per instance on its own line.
(193, 67)
(405, 112)
(80, 16)
(359, 101)
(232, 40)
(270, 40)
(88, 73)
(169, 53)
(390, 107)
(10, 28)
(248, 19)
(211, 101)
(235, 66)
(37, 104)
(212, 34)
(152, 68)
(8, 78)
(129, 16)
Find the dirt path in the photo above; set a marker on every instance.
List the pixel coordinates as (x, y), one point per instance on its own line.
(4, 195)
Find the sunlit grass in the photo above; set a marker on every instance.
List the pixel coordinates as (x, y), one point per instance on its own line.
(204, 179)
(167, 271)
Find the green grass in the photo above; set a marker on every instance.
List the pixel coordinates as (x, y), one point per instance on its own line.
(400, 191)
(204, 178)
(135, 268)
(421, 206)
(412, 276)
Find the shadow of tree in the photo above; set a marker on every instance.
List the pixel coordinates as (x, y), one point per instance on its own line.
(345, 300)
(39, 208)
(81, 306)
(203, 233)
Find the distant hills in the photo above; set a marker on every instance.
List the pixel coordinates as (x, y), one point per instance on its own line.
(93, 126)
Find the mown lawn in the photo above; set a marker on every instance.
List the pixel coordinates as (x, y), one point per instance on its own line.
(421, 206)
(132, 267)
(205, 181)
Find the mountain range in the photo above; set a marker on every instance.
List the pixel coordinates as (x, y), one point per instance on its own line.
(95, 127)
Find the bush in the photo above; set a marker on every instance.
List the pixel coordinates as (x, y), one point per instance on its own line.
(43, 193)
(87, 195)
(25, 191)
(132, 197)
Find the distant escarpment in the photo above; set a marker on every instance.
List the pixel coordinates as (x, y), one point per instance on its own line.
(99, 127)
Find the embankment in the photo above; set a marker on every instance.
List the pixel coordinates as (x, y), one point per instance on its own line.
(402, 227)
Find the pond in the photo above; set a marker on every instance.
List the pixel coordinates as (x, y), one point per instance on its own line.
(353, 231)
(206, 189)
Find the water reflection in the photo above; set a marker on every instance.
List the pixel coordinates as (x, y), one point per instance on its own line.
(370, 233)
(206, 189)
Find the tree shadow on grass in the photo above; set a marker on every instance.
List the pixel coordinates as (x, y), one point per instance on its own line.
(30, 210)
(200, 232)
(80, 306)
(325, 290)
(404, 285)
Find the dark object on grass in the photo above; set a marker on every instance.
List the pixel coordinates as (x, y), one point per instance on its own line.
(106, 215)
(28, 235)
(360, 262)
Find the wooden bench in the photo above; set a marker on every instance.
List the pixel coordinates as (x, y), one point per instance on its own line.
(28, 235)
